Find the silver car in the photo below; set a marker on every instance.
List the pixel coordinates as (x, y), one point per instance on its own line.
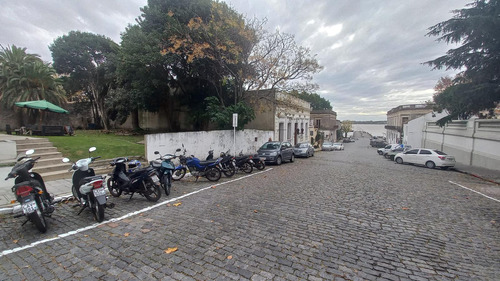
(327, 146)
(303, 149)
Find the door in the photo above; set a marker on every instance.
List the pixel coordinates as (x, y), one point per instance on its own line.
(423, 156)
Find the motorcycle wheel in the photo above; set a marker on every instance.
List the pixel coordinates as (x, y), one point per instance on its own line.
(247, 167)
(38, 219)
(213, 174)
(165, 181)
(113, 188)
(152, 192)
(179, 174)
(229, 171)
(260, 165)
(97, 211)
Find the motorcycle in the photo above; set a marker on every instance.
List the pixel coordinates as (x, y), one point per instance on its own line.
(227, 164)
(144, 181)
(258, 163)
(180, 170)
(164, 167)
(30, 191)
(209, 169)
(244, 163)
(88, 188)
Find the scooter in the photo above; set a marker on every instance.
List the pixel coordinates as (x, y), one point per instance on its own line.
(30, 191)
(87, 188)
(144, 181)
(164, 167)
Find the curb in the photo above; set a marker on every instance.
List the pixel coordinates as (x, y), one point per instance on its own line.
(17, 208)
(477, 176)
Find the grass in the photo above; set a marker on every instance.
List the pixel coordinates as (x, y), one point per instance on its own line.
(109, 145)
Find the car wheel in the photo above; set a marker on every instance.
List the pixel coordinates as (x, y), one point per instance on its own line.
(278, 160)
(380, 152)
(399, 160)
(430, 165)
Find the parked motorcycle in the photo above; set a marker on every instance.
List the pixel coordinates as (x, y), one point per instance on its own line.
(87, 188)
(244, 163)
(227, 164)
(30, 191)
(180, 170)
(164, 167)
(209, 169)
(144, 181)
(258, 163)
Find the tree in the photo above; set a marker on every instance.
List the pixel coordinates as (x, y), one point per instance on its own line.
(346, 127)
(281, 64)
(25, 77)
(317, 102)
(477, 29)
(88, 62)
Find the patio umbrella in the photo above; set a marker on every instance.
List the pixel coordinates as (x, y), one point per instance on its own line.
(42, 105)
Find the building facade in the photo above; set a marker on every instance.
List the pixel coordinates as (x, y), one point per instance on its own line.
(287, 116)
(400, 116)
(325, 122)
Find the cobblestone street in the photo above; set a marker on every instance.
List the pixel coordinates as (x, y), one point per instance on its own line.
(340, 215)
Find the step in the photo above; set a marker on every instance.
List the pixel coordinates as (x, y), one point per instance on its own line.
(32, 140)
(64, 174)
(38, 150)
(49, 161)
(52, 168)
(35, 145)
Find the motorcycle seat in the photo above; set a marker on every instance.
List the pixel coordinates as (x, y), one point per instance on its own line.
(207, 162)
(89, 179)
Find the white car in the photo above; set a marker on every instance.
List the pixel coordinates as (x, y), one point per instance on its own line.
(387, 148)
(431, 158)
(338, 146)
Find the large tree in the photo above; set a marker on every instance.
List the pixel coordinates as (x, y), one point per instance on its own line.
(477, 30)
(88, 61)
(317, 102)
(25, 77)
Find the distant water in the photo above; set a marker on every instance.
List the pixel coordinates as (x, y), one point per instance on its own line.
(372, 129)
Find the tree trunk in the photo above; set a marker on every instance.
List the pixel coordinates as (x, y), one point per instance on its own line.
(135, 119)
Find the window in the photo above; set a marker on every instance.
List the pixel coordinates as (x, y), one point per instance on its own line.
(423, 151)
(413, 151)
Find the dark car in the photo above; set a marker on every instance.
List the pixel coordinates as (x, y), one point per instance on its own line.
(303, 149)
(276, 152)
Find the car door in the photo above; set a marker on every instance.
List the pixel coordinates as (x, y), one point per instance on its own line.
(410, 155)
(423, 156)
(287, 151)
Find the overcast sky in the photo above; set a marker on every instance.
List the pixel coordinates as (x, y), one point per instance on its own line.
(372, 51)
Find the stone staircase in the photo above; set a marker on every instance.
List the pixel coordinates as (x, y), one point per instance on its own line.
(50, 165)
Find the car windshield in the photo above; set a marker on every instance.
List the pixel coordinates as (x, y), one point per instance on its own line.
(270, 145)
(327, 143)
(337, 143)
(440, 152)
(301, 145)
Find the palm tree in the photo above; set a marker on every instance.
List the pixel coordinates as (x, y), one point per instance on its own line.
(26, 77)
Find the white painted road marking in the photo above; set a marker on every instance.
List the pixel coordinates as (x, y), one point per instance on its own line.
(475, 191)
(67, 234)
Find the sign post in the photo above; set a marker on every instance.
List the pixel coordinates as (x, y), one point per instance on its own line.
(235, 124)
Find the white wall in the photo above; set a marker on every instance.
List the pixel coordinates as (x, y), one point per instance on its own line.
(413, 132)
(473, 142)
(199, 143)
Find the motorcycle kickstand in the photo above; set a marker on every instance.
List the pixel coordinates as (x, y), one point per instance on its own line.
(81, 210)
(25, 222)
(131, 194)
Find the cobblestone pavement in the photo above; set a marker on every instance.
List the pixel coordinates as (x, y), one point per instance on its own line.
(342, 215)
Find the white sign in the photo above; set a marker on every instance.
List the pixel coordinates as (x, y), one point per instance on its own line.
(235, 120)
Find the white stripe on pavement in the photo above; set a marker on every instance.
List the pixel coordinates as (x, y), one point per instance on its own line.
(67, 234)
(475, 191)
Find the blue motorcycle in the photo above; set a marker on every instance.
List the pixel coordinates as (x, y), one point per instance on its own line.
(165, 167)
(211, 169)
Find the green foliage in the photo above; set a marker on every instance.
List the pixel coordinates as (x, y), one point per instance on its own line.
(346, 127)
(25, 77)
(477, 88)
(222, 116)
(317, 102)
(88, 60)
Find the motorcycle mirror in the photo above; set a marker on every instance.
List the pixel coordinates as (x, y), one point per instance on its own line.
(92, 149)
(65, 160)
(29, 152)
(156, 152)
(177, 150)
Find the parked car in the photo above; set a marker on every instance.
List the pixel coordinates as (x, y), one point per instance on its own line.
(303, 149)
(431, 158)
(327, 146)
(338, 146)
(390, 155)
(387, 148)
(276, 152)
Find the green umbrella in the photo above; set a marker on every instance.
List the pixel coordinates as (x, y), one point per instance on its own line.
(42, 105)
